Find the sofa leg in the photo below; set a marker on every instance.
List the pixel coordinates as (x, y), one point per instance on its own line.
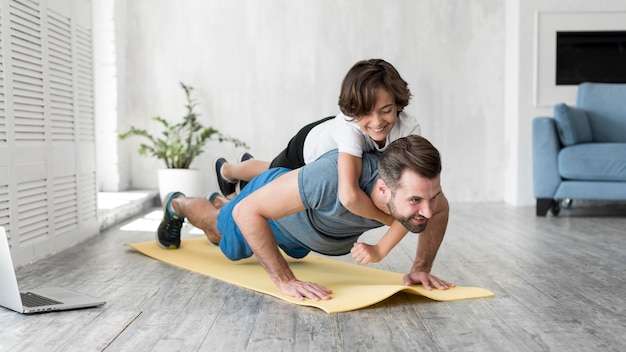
(543, 205)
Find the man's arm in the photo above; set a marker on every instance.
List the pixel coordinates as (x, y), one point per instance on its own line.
(427, 246)
(275, 200)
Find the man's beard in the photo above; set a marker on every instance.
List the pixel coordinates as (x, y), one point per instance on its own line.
(407, 221)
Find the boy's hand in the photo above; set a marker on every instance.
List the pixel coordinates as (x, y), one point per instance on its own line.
(365, 253)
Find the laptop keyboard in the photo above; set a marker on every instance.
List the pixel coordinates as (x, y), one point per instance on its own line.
(30, 299)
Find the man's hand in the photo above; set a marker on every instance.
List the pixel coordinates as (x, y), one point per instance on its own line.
(301, 290)
(427, 280)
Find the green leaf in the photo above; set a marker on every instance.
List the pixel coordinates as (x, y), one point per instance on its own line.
(180, 142)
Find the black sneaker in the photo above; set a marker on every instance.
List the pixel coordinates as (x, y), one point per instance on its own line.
(243, 157)
(226, 186)
(168, 234)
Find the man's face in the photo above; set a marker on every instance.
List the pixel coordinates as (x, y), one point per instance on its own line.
(414, 201)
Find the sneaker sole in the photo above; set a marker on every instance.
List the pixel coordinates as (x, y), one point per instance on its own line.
(156, 238)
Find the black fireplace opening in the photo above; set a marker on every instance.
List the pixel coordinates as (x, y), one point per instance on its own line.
(592, 56)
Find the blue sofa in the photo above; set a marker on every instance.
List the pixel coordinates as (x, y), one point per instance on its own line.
(580, 153)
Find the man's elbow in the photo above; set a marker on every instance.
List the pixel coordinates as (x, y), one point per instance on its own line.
(245, 213)
(240, 212)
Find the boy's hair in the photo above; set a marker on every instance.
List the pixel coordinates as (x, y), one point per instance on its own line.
(358, 89)
(413, 152)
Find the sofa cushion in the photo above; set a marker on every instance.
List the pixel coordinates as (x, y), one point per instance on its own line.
(605, 105)
(593, 162)
(572, 124)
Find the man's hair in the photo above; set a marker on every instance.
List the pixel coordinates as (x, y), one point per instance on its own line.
(414, 153)
(359, 87)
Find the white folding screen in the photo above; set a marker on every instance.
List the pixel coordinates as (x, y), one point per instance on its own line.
(48, 196)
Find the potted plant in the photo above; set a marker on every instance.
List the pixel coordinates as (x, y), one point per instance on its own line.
(177, 146)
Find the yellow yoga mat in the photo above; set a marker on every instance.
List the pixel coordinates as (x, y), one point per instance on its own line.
(354, 286)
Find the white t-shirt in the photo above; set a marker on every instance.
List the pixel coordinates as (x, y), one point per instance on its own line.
(345, 134)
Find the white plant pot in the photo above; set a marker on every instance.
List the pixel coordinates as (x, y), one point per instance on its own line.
(187, 181)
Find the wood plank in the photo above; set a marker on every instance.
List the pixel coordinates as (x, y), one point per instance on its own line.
(558, 284)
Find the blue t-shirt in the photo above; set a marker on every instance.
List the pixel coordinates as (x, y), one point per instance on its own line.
(325, 226)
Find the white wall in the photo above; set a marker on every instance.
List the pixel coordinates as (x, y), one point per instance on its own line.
(263, 69)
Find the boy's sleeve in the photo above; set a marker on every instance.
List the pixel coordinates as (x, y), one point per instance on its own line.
(407, 126)
(349, 139)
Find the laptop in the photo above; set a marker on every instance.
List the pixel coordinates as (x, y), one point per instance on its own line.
(39, 300)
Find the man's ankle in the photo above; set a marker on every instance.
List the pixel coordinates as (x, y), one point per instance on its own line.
(174, 206)
(226, 173)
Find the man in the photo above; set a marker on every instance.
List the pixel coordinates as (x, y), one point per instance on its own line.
(298, 211)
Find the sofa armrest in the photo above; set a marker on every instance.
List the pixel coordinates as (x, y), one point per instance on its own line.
(546, 146)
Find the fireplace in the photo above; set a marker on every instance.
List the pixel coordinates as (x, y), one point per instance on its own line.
(574, 47)
(590, 56)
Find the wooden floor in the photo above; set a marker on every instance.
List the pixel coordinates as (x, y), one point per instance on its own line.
(559, 285)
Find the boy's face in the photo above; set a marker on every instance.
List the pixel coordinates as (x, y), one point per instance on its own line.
(378, 122)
